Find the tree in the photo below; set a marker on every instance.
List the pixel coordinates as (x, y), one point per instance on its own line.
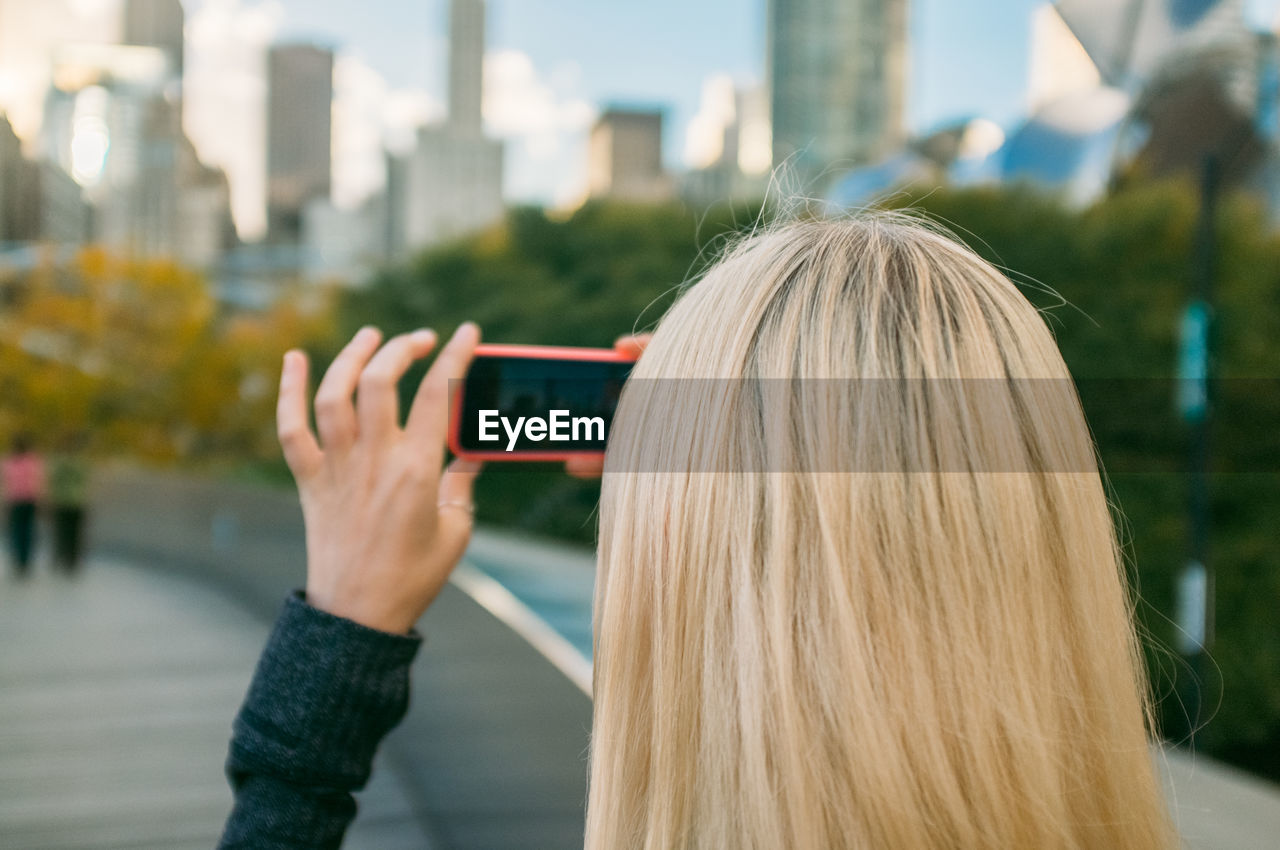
(1110, 280)
(137, 354)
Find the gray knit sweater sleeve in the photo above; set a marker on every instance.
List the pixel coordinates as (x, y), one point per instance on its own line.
(325, 693)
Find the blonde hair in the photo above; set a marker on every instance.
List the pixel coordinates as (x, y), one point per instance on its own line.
(787, 657)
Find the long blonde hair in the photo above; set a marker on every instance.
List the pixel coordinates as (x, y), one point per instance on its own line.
(885, 655)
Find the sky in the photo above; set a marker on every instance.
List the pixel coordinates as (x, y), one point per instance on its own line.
(550, 65)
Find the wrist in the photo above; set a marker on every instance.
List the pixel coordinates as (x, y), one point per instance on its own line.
(371, 614)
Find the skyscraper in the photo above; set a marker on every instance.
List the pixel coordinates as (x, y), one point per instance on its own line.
(837, 73)
(299, 134)
(453, 177)
(11, 168)
(466, 64)
(109, 124)
(157, 23)
(624, 156)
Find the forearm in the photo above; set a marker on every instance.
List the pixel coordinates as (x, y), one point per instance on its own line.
(325, 693)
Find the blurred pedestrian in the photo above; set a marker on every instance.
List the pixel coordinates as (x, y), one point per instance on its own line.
(68, 496)
(23, 481)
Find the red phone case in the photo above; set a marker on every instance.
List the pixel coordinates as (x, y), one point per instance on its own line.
(532, 352)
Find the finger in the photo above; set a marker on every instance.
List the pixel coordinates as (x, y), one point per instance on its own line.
(584, 467)
(377, 402)
(429, 416)
(457, 482)
(335, 412)
(301, 451)
(632, 346)
(455, 508)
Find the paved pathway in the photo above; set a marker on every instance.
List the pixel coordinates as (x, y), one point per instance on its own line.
(1217, 807)
(117, 691)
(492, 754)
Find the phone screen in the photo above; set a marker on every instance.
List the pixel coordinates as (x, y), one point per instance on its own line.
(537, 406)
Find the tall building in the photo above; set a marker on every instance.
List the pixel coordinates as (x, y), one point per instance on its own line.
(344, 246)
(624, 156)
(205, 231)
(110, 123)
(39, 202)
(299, 135)
(11, 169)
(157, 23)
(56, 206)
(455, 186)
(113, 123)
(837, 73)
(466, 64)
(453, 177)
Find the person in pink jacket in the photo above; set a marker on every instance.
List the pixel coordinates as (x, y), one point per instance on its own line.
(22, 474)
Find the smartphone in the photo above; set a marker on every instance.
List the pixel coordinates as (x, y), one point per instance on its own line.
(537, 403)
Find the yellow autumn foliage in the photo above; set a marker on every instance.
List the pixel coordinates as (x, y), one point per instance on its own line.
(140, 356)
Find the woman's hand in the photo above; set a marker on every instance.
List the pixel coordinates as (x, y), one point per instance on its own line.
(591, 468)
(385, 526)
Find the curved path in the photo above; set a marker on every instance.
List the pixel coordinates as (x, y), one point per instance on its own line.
(118, 691)
(491, 755)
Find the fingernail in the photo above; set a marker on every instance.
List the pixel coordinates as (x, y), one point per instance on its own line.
(367, 333)
(424, 336)
(466, 327)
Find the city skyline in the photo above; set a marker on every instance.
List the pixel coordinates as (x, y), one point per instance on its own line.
(541, 96)
(576, 58)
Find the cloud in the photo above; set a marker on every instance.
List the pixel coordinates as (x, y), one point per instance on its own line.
(542, 116)
(370, 117)
(404, 112)
(225, 93)
(359, 93)
(100, 9)
(704, 139)
(731, 104)
(544, 119)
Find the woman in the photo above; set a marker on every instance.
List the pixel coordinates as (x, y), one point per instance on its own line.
(857, 582)
(23, 476)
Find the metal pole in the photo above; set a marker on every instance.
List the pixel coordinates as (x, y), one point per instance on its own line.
(1196, 584)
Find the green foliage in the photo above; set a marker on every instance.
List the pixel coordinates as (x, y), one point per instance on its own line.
(1111, 281)
(584, 280)
(602, 273)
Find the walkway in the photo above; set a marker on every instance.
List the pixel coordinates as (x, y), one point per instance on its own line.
(117, 692)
